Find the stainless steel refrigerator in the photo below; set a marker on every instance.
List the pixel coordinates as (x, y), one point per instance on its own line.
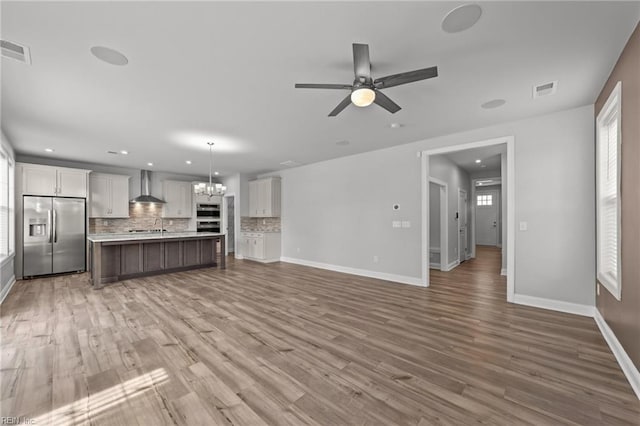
(54, 235)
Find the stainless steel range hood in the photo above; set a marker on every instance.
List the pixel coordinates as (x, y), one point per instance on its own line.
(145, 190)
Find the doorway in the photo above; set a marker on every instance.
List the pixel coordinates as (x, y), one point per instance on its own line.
(438, 243)
(463, 249)
(505, 145)
(487, 218)
(229, 215)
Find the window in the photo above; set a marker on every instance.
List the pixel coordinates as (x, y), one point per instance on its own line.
(484, 200)
(608, 140)
(7, 233)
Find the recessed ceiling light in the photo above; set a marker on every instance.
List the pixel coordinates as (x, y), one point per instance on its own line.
(395, 125)
(216, 173)
(188, 161)
(496, 103)
(461, 18)
(49, 149)
(342, 143)
(149, 164)
(123, 152)
(478, 161)
(109, 56)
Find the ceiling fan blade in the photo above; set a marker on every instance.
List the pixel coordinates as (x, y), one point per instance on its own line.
(405, 77)
(386, 103)
(342, 105)
(323, 86)
(361, 62)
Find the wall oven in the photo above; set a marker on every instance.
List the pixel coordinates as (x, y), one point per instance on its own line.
(208, 217)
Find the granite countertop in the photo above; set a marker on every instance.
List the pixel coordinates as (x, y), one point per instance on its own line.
(259, 231)
(134, 236)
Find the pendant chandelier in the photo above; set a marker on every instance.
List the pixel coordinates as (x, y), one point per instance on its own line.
(209, 189)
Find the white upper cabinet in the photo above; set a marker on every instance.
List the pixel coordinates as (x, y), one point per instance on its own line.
(264, 197)
(109, 195)
(178, 199)
(53, 181)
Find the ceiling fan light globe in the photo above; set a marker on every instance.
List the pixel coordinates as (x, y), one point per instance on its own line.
(363, 97)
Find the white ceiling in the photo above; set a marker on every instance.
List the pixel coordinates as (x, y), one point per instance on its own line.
(489, 157)
(225, 72)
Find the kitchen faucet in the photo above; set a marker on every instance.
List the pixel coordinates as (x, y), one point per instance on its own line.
(161, 225)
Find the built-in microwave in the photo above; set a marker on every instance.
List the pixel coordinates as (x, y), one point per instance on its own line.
(204, 211)
(208, 226)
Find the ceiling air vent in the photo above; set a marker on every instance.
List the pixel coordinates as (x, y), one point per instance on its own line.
(15, 51)
(545, 89)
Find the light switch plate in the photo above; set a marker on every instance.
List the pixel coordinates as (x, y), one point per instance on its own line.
(406, 224)
(523, 226)
(396, 224)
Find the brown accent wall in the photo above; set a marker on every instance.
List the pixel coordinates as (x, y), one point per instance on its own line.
(624, 316)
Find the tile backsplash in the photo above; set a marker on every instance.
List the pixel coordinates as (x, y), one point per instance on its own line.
(141, 216)
(260, 224)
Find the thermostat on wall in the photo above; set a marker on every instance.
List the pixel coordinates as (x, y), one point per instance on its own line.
(396, 206)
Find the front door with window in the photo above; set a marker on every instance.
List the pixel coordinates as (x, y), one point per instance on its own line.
(487, 218)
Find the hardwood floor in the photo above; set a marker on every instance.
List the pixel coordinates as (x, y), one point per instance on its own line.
(286, 344)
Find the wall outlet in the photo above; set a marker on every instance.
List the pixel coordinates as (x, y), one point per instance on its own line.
(105, 223)
(264, 221)
(170, 222)
(376, 259)
(406, 224)
(597, 289)
(298, 250)
(396, 224)
(524, 226)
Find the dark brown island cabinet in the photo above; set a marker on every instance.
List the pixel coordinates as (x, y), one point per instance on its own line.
(115, 258)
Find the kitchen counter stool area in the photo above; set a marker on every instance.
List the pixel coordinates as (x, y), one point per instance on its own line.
(115, 258)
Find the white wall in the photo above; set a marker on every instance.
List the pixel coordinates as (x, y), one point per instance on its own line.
(442, 168)
(339, 212)
(7, 276)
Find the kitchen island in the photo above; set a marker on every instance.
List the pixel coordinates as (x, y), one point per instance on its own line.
(116, 257)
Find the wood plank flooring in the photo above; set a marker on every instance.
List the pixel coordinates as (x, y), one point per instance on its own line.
(286, 344)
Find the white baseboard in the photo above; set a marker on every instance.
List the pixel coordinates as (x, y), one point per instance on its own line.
(554, 305)
(628, 368)
(452, 265)
(7, 289)
(355, 271)
(434, 265)
(503, 271)
(271, 260)
(238, 256)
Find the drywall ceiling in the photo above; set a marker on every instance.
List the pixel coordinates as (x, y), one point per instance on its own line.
(489, 157)
(225, 72)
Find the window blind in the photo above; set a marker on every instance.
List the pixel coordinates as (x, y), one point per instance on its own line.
(4, 205)
(608, 143)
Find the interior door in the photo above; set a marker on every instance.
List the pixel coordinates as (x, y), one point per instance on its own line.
(462, 226)
(68, 235)
(487, 218)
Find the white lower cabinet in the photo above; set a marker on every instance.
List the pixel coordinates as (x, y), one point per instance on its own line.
(261, 246)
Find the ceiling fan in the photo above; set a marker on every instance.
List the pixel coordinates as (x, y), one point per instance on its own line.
(365, 90)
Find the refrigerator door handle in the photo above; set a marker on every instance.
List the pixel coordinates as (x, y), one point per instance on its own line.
(49, 224)
(55, 227)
